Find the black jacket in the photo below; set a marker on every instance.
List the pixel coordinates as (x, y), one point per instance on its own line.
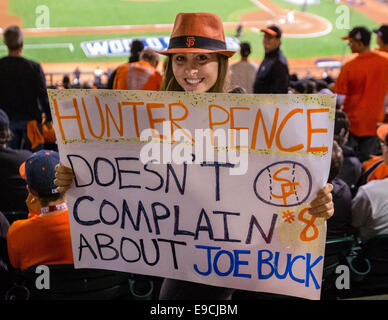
(13, 192)
(23, 93)
(273, 74)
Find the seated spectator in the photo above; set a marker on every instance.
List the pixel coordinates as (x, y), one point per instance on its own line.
(13, 191)
(341, 223)
(44, 238)
(8, 276)
(66, 82)
(376, 168)
(4, 263)
(141, 75)
(293, 77)
(352, 167)
(299, 87)
(237, 90)
(370, 205)
(310, 86)
(322, 87)
(243, 73)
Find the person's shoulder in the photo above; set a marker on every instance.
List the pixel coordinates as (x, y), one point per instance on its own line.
(372, 58)
(375, 55)
(375, 185)
(351, 60)
(19, 227)
(235, 65)
(281, 56)
(16, 153)
(370, 162)
(122, 66)
(339, 183)
(29, 61)
(157, 75)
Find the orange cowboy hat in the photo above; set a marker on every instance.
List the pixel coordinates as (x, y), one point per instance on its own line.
(198, 32)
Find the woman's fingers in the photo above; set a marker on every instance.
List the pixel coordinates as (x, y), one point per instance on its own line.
(324, 211)
(63, 189)
(60, 168)
(63, 177)
(322, 206)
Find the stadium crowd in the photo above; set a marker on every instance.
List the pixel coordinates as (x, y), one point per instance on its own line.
(34, 227)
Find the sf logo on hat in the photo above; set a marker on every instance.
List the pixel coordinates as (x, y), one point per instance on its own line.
(190, 41)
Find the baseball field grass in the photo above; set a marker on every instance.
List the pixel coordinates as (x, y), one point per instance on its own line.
(71, 13)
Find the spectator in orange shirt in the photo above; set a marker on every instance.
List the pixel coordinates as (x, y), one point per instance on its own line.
(44, 238)
(376, 168)
(137, 46)
(141, 75)
(382, 42)
(364, 82)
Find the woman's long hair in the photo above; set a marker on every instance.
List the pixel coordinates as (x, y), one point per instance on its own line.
(169, 82)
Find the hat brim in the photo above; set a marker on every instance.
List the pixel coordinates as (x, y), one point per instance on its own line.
(228, 53)
(382, 132)
(22, 171)
(269, 31)
(346, 38)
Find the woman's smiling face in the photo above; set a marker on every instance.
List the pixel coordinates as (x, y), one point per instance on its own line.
(195, 72)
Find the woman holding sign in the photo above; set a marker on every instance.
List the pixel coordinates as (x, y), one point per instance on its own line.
(198, 62)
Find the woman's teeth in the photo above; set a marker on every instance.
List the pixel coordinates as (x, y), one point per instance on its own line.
(193, 81)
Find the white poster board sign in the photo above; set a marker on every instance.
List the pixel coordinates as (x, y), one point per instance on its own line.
(160, 204)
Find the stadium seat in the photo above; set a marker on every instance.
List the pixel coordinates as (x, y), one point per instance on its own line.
(67, 283)
(376, 281)
(376, 250)
(145, 287)
(336, 252)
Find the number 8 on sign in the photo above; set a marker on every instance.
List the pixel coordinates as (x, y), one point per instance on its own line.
(309, 223)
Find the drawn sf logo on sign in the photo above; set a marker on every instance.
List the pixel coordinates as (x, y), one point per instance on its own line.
(190, 41)
(279, 184)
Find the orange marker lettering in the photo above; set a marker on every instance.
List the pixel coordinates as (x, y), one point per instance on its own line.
(108, 112)
(174, 120)
(134, 109)
(281, 127)
(212, 123)
(77, 116)
(232, 126)
(88, 120)
(152, 120)
(309, 223)
(268, 139)
(310, 131)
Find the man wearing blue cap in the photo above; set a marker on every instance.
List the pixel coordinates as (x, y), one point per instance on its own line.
(43, 238)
